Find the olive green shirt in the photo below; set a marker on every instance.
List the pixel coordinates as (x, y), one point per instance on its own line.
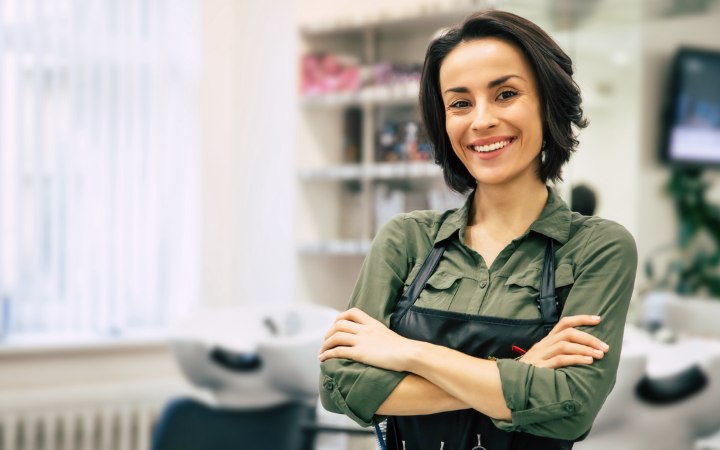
(595, 260)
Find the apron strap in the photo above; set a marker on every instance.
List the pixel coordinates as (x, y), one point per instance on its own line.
(547, 301)
(407, 299)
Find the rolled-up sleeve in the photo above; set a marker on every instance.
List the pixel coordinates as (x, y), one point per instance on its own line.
(351, 388)
(562, 403)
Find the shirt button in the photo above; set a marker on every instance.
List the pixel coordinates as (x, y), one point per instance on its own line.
(569, 407)
(329, 385)
(483, 284)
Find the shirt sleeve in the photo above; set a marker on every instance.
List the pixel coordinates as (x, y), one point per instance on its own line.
(562, 403)
(351, 388)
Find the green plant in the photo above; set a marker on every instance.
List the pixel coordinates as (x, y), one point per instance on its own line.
(696, 268)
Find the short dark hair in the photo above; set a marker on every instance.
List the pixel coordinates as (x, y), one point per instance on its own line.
(559, 94)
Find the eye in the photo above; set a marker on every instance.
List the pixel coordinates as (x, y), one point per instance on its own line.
(506, 95)
(460, 104)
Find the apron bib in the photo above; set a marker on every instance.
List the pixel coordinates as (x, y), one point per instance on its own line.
(479, 336)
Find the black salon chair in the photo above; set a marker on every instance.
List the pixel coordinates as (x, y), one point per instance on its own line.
(187, 424)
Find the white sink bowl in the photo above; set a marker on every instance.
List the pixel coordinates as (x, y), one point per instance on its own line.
(291, 356)
(627, 422)
(250, 357)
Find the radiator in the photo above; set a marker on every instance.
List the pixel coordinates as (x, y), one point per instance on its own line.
(104, 427)
(111, 417)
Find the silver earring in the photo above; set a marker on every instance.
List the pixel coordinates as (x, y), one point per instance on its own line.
(543, 153)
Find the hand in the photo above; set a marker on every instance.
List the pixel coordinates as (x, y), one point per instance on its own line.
(567, 346)
(357, 336)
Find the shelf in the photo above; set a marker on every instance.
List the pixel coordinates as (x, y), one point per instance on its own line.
(350, 184)
(430, 15)
(417, 169)
(379, 171)
(334, 173)
(405, 93)
(358, 247)
(441, 13)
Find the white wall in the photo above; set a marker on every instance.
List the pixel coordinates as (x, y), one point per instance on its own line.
(249, 101)
(606, 68)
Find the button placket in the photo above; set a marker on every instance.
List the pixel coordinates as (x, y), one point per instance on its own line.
(482, 292)
(473, 306)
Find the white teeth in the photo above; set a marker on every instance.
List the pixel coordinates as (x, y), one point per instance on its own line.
(490, 147)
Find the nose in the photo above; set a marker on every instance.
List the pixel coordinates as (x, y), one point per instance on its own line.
(483, 116)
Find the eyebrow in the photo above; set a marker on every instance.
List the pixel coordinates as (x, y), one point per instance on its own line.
(492, 84)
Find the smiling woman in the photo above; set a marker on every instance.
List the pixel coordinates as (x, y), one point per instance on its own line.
(492, 106)
(497, 325)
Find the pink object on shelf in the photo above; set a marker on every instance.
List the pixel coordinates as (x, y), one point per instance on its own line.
(323, 73)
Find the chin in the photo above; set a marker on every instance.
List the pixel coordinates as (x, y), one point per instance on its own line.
(490, 179)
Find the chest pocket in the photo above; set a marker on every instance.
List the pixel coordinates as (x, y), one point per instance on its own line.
(439, 291)
(522, 289)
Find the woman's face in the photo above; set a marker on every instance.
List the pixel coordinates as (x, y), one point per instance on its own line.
(492, 111)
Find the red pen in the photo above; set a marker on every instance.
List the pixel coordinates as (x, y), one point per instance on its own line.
(517, 349)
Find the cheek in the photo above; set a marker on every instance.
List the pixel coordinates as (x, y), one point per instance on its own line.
(538, 120)
(535, 118)
(452, 128)
(530, 123)
(526, 108)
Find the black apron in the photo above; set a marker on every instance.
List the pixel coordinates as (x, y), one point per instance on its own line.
(479, 336)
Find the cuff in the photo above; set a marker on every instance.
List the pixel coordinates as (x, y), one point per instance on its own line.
(365, 396)
(533, 395)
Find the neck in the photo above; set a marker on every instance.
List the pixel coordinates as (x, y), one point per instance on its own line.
(508, 210)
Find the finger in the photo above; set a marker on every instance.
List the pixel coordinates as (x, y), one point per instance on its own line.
(337, 340)
(337, 352)
(567, 360)
(343, 325)
(571, 348)
(573, 322)
(581, 337)
(355, 315)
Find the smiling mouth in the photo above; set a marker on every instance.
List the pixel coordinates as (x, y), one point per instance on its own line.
(491, 147)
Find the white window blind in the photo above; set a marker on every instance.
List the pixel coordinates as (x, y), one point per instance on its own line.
(99, 164)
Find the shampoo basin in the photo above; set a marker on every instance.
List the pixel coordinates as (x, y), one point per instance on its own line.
(253, 357)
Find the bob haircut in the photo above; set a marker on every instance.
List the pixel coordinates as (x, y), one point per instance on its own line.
(559, 94)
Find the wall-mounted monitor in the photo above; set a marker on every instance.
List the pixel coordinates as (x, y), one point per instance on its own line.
(691, 128)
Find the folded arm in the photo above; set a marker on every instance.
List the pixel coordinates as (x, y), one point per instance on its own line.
(440, 376)
(416, 396)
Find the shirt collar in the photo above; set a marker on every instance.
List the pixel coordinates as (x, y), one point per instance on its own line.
(554, 220)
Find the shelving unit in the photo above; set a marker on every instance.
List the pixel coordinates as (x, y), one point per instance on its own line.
(344, 197)
(397, 94)
(377, 171)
